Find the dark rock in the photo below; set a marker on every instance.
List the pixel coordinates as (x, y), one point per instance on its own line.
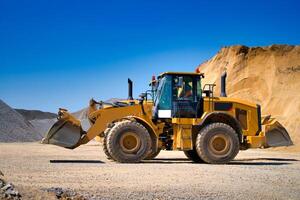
(2, 183)
(61, 193)
(8, 191)
(7, 186)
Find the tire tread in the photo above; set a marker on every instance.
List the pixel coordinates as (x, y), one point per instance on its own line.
(203, 153)
(115, 153)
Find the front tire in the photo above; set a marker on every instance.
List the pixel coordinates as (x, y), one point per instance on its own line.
(105, 150)
(217, 143)
(128, 142)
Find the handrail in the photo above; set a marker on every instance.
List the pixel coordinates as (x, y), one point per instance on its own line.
(210, 97)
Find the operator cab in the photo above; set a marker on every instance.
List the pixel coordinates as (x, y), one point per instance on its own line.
(178, 95)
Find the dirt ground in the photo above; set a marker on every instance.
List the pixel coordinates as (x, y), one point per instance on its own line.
(254, 174)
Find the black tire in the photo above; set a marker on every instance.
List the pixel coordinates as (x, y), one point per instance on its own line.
(116, 147)
(105, 150)
(152, 154)
(217, 143)
(193, 155)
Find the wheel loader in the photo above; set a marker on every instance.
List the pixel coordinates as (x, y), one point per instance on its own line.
(176, 113)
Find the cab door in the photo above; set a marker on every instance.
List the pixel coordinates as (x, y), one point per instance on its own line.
(187, 99)
(178, 96)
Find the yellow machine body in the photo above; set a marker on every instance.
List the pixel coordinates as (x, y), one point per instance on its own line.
(244, 117)
(183, 133)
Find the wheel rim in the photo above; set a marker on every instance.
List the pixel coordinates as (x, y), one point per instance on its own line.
(130, 142)
(220, 144)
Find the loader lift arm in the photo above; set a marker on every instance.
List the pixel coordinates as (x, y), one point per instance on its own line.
(100, 119)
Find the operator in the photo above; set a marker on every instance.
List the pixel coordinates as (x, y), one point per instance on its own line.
(186, 92)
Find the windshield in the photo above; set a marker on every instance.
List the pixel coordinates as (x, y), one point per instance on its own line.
(163, 93)
(158, 88)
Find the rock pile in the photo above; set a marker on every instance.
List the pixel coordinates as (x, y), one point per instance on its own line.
(8, 190)
(61, 193)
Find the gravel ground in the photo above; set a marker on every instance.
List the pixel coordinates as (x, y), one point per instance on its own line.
(37, 169)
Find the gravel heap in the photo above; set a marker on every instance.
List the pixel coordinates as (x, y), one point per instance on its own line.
(14, 127)
(42, 125)
(81, 114)
(36, 114)
(40, 120)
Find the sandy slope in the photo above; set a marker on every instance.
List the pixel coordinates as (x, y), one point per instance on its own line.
(268, 75)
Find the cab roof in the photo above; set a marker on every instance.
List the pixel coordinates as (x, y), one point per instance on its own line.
(181, 73)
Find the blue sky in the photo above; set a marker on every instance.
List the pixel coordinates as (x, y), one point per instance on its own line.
(61, 53)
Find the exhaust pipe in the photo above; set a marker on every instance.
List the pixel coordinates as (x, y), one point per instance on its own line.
(130, 90)
(223, 84)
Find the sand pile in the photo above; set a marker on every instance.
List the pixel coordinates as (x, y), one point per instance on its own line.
(268, 75)
(14, 127)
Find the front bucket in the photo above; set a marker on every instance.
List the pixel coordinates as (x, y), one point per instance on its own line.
(276, 134)
(63, 133)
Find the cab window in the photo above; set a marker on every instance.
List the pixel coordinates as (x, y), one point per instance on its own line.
(183, 91)
(199, 89)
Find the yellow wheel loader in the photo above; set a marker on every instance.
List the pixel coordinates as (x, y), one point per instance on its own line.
(180, 114)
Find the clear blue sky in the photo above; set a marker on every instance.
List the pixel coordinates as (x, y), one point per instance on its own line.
(61, 53)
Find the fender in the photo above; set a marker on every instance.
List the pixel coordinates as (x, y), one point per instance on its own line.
(223, 117)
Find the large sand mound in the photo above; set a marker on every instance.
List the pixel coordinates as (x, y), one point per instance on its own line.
(268, 75)
(14, 127)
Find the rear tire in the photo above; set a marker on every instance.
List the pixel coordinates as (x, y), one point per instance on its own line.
(128, 142)
(217, 143)
(193, 155)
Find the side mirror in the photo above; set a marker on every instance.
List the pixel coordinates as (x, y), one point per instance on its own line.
(143, 95)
